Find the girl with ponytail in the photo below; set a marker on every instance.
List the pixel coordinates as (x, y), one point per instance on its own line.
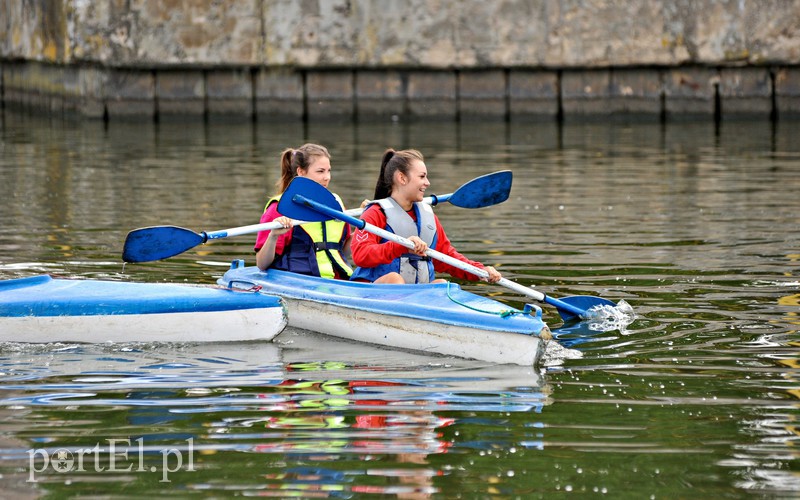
(317, 248)
(398, 207)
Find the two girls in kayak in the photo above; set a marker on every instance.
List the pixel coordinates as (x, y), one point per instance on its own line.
(319, 248)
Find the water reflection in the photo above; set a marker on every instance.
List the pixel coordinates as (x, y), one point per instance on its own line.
(298, 399)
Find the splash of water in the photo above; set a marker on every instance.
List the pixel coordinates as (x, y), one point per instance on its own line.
(604, 318)
(555, 354)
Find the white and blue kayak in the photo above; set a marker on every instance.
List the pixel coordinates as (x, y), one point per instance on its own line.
(46, 309)
(433, 318)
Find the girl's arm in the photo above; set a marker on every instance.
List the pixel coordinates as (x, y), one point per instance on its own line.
(366, 247)
(271, 243)
(443, 245)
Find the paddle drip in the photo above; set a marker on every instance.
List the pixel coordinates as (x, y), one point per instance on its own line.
(604, 318)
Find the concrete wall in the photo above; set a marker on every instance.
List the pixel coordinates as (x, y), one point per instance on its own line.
(379, 59)
(272, 94)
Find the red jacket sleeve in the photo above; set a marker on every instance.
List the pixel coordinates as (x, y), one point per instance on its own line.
(443, 245)
(366, 248)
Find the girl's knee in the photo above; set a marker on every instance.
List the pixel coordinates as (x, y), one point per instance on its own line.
(391, 279)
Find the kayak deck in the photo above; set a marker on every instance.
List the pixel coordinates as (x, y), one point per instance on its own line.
(45, 296)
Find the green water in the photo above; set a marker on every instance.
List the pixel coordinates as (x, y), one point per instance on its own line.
(696, 226)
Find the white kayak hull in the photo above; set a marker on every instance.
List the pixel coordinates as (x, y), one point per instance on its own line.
(414, 334)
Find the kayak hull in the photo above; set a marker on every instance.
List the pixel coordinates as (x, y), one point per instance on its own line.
(440, 318)
(43, 309)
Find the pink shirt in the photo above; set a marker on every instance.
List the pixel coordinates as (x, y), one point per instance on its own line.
(283, 240)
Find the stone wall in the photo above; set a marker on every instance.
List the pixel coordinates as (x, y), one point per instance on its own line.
(378, 59)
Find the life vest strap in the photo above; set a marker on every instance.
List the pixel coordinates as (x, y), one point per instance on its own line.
(414, 257)
(327, 245)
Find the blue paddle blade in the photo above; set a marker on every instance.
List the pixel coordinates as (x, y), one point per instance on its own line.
(309, 189)
(158, 242)
(484, 191)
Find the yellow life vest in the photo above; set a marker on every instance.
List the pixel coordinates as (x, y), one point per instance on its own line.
(325, 239)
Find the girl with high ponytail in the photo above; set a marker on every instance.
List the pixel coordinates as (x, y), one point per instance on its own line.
(317, 248)
(398, 207)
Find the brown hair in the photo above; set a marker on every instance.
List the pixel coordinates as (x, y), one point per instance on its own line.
(394, 161)
(302, 157)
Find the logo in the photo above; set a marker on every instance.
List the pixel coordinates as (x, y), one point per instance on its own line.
(118, 456)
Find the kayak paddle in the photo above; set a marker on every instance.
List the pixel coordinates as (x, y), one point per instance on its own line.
(160, 242)
(484, 191)
(308, 200)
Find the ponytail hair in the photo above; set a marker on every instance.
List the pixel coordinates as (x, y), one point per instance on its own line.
(394, 161)
(302, 157)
